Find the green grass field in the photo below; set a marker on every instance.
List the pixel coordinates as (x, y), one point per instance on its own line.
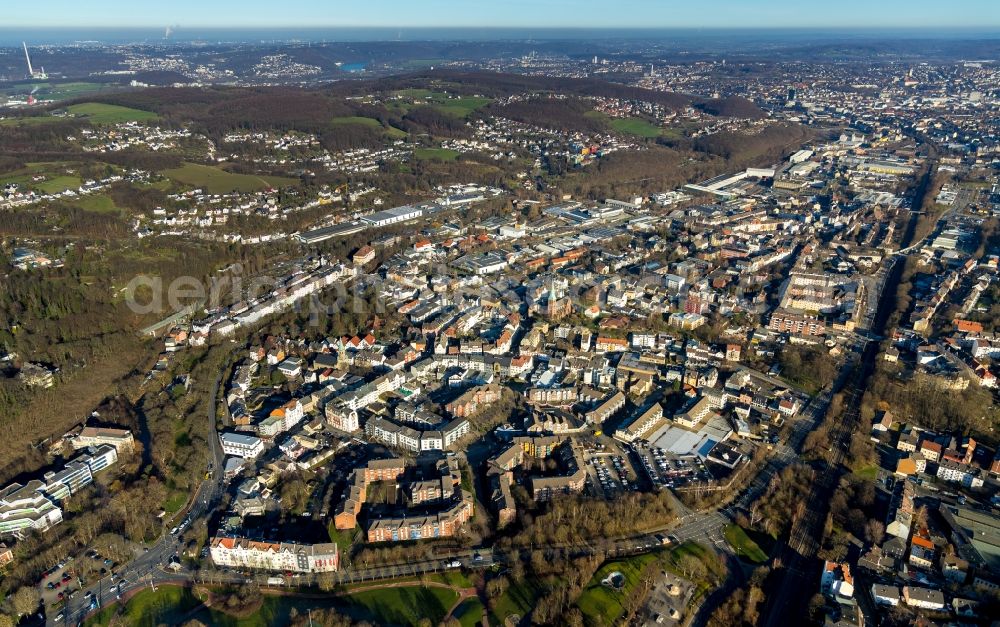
(57, 179)
(518, 599)
(396, 133)
(868, 473)
(93, 112)
(167, 605)
(417, 93)
(405, 605)
(342, 538)
(100, 113)
(356, 119)
(636, 126)
(470, 612)
(461, 107)
(64, 91)
(98, 203)
(390, 131)
(60, 91)
(601, 604)
(57, 184)
(217, 181)
(744, 546)
(442, 154)
(175, 502)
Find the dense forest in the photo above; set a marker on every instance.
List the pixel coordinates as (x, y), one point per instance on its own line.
(563, 114)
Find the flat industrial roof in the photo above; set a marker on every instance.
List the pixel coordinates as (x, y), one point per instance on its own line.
(681, 441)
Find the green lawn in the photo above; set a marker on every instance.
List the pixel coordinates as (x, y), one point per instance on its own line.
(170, 605)
(601, 604)
(175, 502)
(868, 473)
(342, 538)
(56, 177)
(64, 91)
(167, 605)
(100, 113)
(416, 93)
(356, 119)
(98, 203)
(636, 126)
(470, 612)
(455, 578)
(744, 546)
(57, 184)
(443, 154)
(396, 133)
(461, 107)
(218, 181)
(519, 598)
(405, 605)
(390, 131)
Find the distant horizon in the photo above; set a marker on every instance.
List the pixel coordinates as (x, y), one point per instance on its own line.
(531, 14)
(56, 35)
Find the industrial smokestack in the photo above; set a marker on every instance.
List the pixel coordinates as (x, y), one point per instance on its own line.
(31, 72)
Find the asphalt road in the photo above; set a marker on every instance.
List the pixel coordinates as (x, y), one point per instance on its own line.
(147, 567)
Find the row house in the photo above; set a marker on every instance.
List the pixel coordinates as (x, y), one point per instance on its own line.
(274, 556)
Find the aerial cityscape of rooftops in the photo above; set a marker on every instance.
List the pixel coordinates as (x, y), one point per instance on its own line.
(479, 316)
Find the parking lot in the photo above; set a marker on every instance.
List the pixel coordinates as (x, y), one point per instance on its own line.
(610, 474)
(59, 582)
(666, 470)
(63, 580)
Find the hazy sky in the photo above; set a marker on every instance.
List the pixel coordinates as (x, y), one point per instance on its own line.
(522, 13)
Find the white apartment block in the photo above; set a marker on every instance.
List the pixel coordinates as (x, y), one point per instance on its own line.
(275, 556)
(241, 445)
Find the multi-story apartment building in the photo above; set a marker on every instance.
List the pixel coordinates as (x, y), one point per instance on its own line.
(966, 474)
(241, 445)
(641, 424)
(608, 408)
(342, 418)
(784, 321)
(695, 413)
(410, 438)
(441, 525)
(275, 556)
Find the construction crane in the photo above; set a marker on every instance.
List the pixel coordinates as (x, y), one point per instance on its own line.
(39, 74)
